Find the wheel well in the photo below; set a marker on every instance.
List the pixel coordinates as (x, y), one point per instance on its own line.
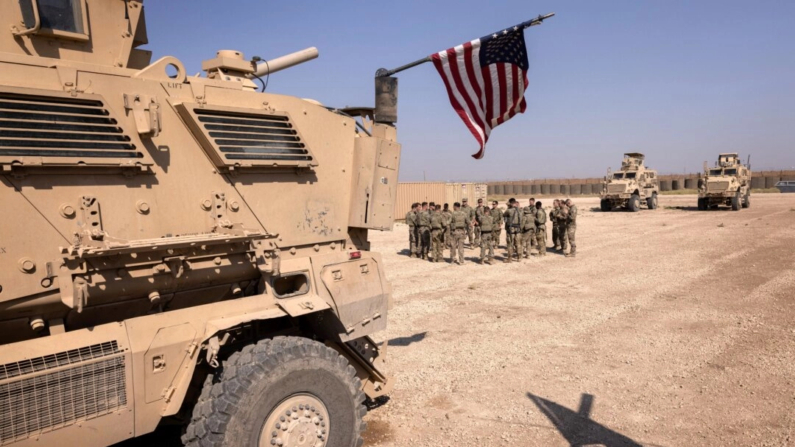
(232, 340)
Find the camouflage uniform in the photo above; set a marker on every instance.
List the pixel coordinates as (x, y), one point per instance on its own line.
(496, 232)
(480, 209)
(470, 213)
(541, 231)
(411, 221)
(486, 225)
(561, 215)
(555, 233)
(437, 232)
(514, 221)
(460, 226)
(528, 230)
(571, 228)
(447, 215)
(424, 232)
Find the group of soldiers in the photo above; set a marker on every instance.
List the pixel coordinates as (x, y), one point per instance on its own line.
(433, 228)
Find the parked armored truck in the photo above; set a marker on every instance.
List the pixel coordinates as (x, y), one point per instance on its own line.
(727, 183)
(182, 249)
(631, 187)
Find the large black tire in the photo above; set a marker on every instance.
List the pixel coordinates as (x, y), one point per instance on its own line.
(236, 403)
(702, 204)
(606, 205)
(634, 203)
(747, 201)
(736, 202)
(651, 202)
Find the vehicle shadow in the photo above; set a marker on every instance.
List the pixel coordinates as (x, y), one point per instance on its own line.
(695, 208)
(405, 341)
(405, 252)
(577, 426)
(372, 404)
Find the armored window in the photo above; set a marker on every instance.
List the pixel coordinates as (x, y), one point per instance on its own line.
(42, 128)
(57, 18)
(618, 175)
(631, 174)
(732, 171)
(715, 172)
(246, 138)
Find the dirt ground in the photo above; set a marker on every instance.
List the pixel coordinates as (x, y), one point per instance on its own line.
(671, 327)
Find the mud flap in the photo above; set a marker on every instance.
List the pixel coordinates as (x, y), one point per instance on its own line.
(369, 360)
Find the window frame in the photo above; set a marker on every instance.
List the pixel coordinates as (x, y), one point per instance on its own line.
(41, 30)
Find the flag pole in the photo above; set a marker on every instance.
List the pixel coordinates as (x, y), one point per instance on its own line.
(384, 72)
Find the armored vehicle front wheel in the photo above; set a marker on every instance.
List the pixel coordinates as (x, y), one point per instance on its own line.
(634, 203)
(747, 201)
(651, 202)
(288, 392)
(606, 205)
(736, 202)
(702, 204)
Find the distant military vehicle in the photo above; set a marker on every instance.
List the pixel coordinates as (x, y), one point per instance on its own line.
(632, 187)
(728, 183)
(182, 249)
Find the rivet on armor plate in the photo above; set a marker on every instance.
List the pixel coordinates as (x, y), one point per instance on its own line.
(333, 245)
(142, 207)
(316, 247)
(234, 206)
(154, 297)
(217, 260)
(292, 251)
(67, 211)
(27, 265)
(37, 324)
(206, 204)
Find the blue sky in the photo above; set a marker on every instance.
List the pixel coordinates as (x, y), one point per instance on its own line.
(680, 81)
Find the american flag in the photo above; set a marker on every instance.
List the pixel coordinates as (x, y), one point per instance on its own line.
(486, 79)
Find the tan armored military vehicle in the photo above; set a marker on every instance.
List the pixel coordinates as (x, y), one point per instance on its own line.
(178, 249)
(728, 183)
(632, 187)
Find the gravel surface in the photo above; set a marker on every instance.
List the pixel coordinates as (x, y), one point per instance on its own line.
(670, 327)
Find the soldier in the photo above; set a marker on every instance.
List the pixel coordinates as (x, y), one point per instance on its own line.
(411, 221)
(486, 225)
(460, 225)
(563, 211)
(480, 209)
(424, 230)
(496, 231)
(553, 217)
(529, 230)
(514, 221)
(571, 227)
(437, 232)
(447, 214)
(470, 212)
(541, 229)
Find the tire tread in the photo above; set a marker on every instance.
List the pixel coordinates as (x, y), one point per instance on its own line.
(223, 389)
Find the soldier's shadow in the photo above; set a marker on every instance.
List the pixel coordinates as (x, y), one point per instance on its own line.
(405, 252)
